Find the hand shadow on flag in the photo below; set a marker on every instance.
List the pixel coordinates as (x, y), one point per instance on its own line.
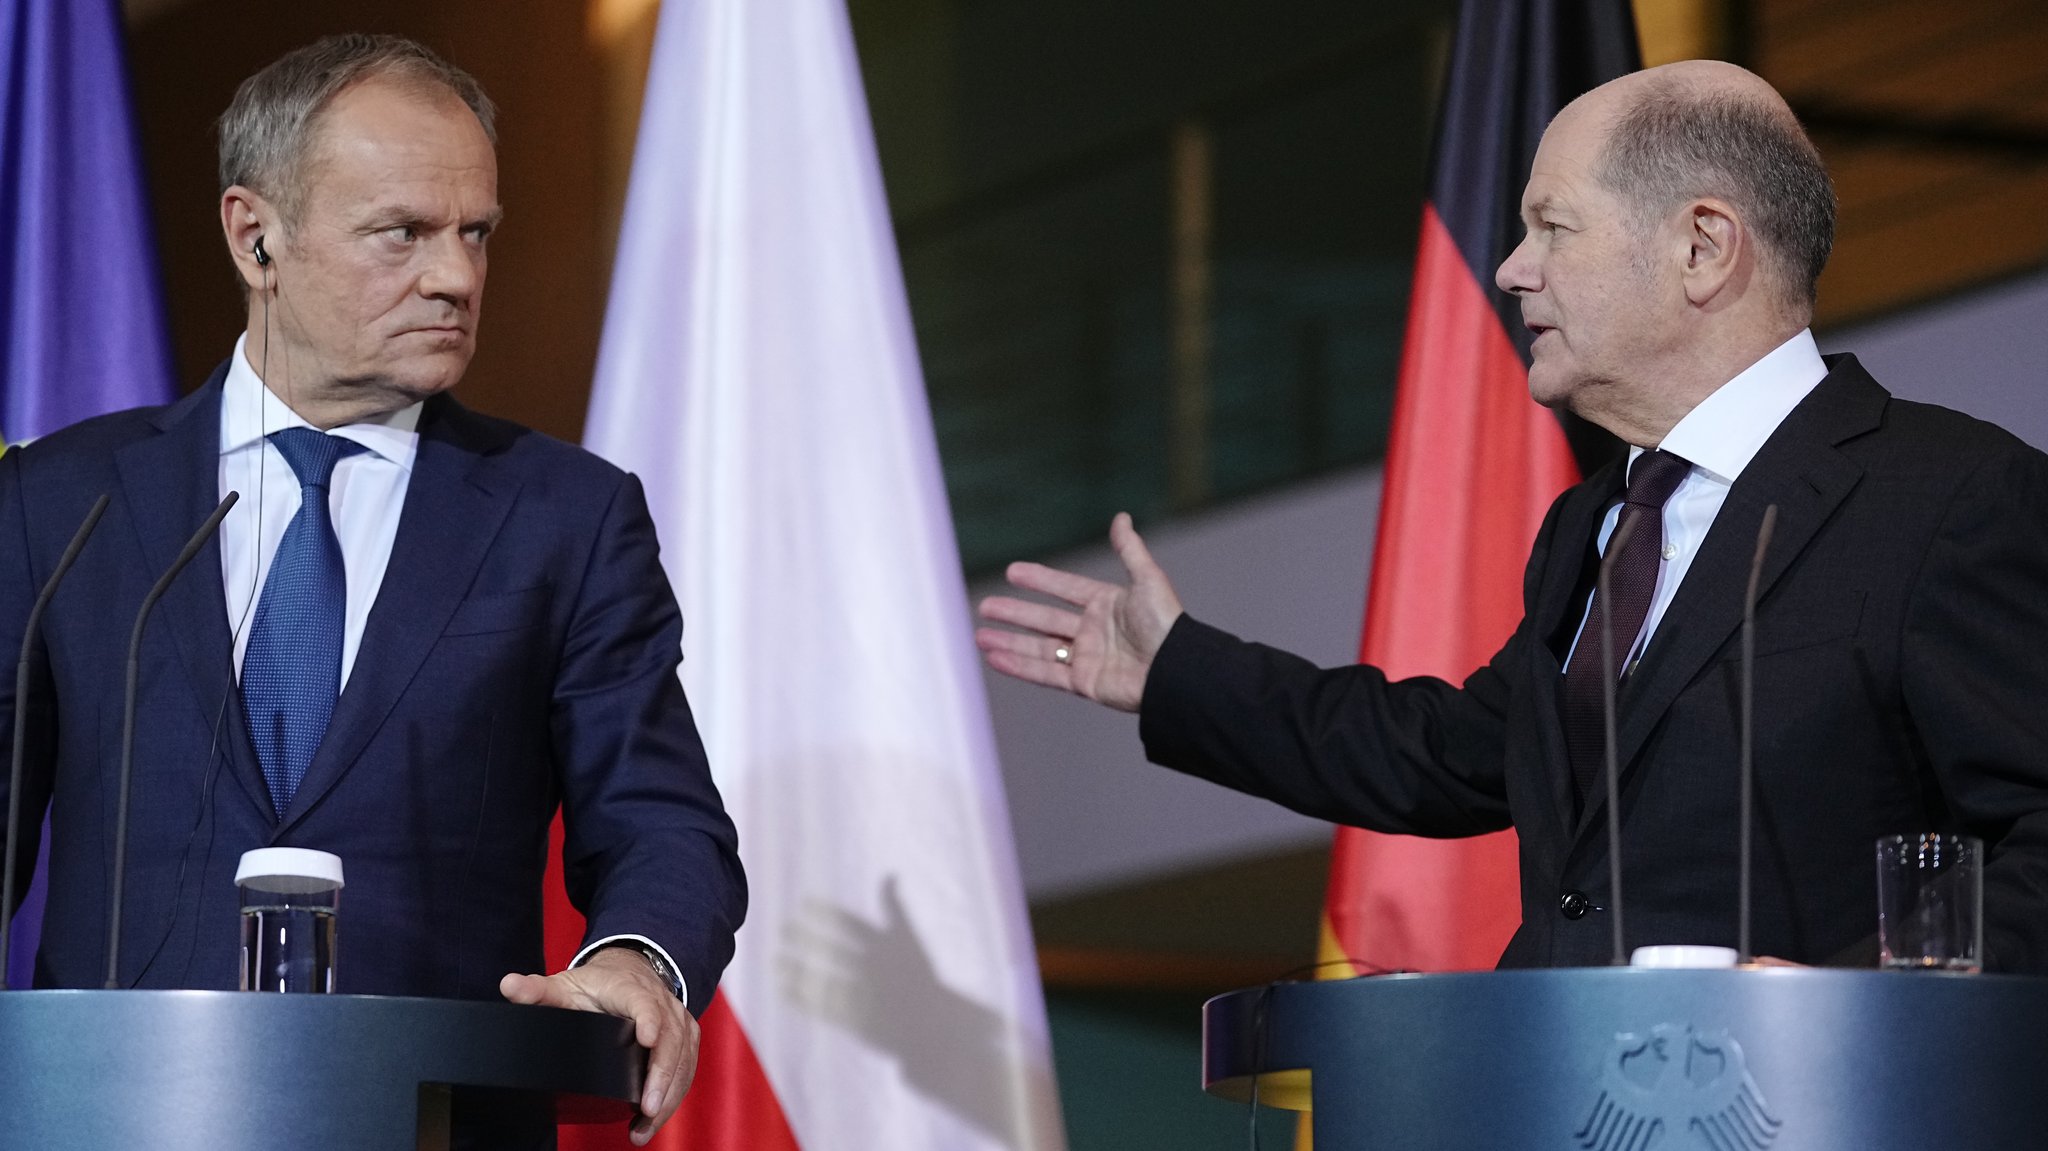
(877, 981)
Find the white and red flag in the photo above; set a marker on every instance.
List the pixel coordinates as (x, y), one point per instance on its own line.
(759, 374)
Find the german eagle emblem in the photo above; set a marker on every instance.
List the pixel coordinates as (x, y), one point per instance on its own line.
(1677, 1088)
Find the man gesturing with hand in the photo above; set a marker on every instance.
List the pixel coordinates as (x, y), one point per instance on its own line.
(1676, 222)
(1101, 646)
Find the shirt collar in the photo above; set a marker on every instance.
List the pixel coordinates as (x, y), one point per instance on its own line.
(250, 411)
(1727, 429)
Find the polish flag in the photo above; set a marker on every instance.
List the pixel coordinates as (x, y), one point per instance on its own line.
(758, 373)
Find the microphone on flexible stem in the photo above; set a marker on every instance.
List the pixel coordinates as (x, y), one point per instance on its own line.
(1607, 685)
(1756, 571)
(28, 643)
(163, 584)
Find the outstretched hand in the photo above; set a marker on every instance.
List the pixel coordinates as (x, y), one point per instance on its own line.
(1108, 642)
(617, 981)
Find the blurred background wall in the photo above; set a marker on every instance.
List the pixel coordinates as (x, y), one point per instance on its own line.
(1158, 254)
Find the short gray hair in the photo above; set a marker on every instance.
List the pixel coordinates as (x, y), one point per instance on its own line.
(1679, 143)
(272, 121)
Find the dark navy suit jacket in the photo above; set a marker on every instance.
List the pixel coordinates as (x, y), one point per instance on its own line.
(522, 652)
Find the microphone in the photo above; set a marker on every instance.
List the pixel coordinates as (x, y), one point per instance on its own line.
(1622, 531)
(163, 584)
(1756, 571)
(28, 642)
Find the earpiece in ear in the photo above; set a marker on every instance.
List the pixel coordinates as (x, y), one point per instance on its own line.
(262, 257)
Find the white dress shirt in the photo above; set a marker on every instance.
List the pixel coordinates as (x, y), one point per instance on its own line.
(364, 499)
(1719, 438)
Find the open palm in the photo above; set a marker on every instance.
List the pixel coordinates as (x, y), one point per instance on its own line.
(1101, 645)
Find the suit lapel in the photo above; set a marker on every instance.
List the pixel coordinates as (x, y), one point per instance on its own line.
(1557, 605)
(171, 483)
(1800, 471)
(1560, 602)
(455, 502)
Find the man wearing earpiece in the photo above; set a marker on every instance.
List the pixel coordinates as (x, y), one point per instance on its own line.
(418, 632)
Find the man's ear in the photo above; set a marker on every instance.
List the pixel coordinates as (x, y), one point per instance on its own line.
(245, 218)
(1717, 250)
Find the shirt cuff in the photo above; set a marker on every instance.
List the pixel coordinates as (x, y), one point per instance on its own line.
(653, 948)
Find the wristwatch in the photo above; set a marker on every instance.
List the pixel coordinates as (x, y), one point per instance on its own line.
(669, 976)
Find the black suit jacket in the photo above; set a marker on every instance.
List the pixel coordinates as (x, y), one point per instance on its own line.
(521, 652)
(1901, 686)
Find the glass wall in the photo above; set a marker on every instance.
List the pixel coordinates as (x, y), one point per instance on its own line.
(1157, 252)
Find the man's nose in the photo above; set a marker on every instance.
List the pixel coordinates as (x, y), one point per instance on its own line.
(1517, 273)
(454, 268)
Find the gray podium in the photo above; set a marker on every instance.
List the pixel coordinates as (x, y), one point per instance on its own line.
(228, 1071)
(1621, 1059)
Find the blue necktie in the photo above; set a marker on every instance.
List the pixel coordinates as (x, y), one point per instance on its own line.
(291, 670)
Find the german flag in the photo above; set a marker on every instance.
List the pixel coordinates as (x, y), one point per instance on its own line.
(1472, 465)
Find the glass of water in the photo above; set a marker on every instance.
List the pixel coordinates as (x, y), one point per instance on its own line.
(289, 899)
(1930, 902)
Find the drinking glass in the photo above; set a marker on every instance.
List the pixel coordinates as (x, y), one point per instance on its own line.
(290, 897)
(1930, 902)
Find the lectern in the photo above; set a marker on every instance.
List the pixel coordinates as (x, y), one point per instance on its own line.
(246, 1071)
(1621, 1059)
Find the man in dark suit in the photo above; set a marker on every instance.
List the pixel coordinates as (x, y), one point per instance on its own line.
(418, 632)
(1677, 220)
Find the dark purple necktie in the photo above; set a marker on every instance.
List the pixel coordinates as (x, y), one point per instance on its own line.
(1631, 583)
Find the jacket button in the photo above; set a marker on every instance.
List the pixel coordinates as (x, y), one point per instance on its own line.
(1573, 904)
